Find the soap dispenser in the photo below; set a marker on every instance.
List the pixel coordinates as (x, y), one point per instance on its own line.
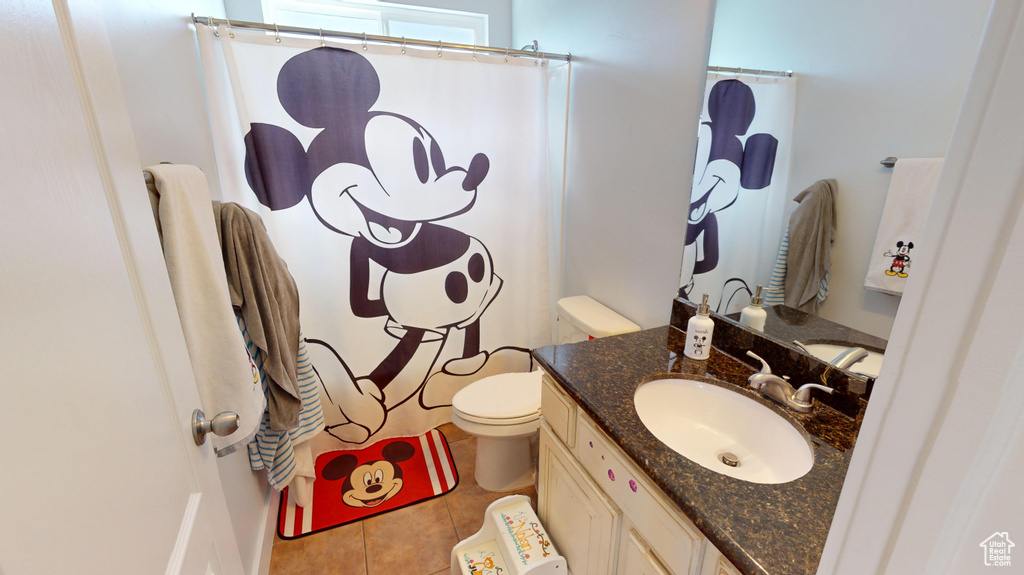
(698, 332)
(754, 316)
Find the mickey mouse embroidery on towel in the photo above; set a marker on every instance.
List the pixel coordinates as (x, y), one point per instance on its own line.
(900, 259)
(384, 180)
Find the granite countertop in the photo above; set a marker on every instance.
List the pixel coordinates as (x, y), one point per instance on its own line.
(763, 529)
(787, 324)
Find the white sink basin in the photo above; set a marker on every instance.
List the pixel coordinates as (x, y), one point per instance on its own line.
(870, 365)
(702, 421)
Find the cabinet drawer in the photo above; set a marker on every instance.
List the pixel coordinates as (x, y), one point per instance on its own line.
(559, 411)
(675, 538)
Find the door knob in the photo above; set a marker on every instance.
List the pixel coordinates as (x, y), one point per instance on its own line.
(223, 424)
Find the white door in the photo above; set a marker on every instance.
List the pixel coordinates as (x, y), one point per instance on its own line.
(98, 471)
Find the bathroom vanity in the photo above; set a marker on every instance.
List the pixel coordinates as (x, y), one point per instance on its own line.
(617, 500)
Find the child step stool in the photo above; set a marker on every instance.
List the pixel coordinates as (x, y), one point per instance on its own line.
(511, 542)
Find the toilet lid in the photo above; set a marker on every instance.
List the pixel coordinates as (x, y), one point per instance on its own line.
(503, 396)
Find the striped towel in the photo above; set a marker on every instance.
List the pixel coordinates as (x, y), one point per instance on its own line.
(273, 450)
(777, 283)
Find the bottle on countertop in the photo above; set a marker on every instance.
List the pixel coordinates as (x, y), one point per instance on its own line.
(698, 332)
(754, 316)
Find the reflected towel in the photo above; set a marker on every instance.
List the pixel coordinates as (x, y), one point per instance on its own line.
(899, 232)
(812, 231)
(776, 292)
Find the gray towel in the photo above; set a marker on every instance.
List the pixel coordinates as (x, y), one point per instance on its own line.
(812, 231)
(263, 293)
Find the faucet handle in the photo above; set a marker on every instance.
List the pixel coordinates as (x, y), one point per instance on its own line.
(764, 364)
(804, 393)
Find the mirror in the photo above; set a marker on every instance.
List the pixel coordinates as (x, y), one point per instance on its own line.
(870, 80)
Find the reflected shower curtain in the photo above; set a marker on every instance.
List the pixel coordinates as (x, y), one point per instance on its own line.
(739, 187)
(408, 194)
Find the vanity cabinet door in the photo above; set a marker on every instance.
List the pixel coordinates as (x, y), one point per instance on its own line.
(675, 538)
(716, 564)
(636, 556)
(582, 522)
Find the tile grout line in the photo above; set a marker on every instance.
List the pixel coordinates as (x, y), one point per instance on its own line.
(366, 554)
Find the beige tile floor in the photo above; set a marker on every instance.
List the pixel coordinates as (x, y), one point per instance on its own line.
(415, 540)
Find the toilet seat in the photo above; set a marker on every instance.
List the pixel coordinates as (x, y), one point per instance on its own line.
(494, 421)
(504, 399)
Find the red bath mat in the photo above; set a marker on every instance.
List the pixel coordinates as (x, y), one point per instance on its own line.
(353, 485)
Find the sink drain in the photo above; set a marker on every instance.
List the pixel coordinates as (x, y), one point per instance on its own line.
(729, 459)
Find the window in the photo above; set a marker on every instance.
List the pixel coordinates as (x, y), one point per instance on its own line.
(380, 18)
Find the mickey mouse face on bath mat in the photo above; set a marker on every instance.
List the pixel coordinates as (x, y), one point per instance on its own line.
(371, 483)
(352, 485)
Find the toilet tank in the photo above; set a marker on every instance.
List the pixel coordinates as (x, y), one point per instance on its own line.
(581, 318)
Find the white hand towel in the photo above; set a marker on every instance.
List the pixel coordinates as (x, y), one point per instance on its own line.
(899, 233)
(225, 374)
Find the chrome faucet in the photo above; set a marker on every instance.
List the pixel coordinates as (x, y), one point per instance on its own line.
(780, 391)
(849, 357)
(844, 360)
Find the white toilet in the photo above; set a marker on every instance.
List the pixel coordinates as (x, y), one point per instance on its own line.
(503, 411)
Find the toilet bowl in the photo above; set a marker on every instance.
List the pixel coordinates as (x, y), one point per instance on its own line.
(503, 412)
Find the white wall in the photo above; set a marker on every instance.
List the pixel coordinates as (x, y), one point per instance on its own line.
(637, 84)
(876, 79)
(154, 48)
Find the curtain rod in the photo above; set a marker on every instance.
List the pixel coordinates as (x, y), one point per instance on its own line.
(786, 74)
(208, 21)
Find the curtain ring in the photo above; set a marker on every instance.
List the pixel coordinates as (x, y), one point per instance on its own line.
(364, 41)
(209, 22)
(277, 34)
(506, 54)
(323, 43)
(231, 33)
(440, 47)
(474, 52)
(403, 44)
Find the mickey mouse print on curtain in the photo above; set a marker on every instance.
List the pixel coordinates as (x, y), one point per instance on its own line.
(739, 185)
(407, 194)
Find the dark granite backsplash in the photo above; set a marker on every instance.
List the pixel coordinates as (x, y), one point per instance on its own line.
(731, 338)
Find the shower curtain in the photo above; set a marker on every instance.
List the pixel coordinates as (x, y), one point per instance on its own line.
(739, 187)
(408, 192)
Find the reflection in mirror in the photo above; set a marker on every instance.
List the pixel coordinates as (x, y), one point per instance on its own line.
(821, 338)
(870, 80)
